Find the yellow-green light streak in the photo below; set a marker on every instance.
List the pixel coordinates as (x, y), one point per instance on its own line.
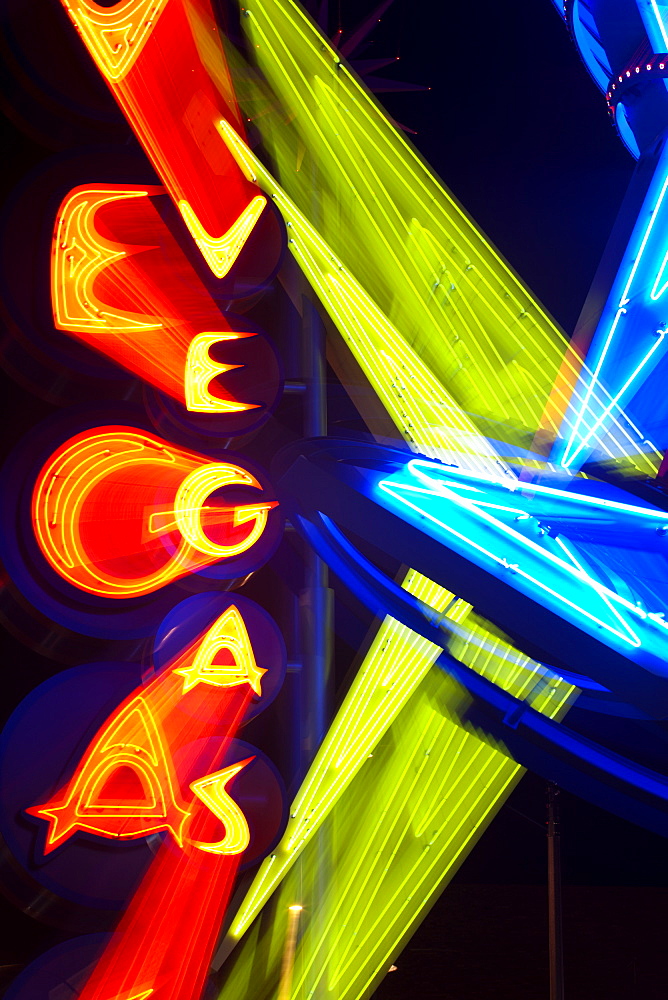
(395, 665)
(399, 234)
(418, 405)
(395, 837)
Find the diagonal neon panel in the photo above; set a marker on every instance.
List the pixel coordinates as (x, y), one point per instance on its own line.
(396, 663)
(394, 838)
(400, 236)
(416, 402)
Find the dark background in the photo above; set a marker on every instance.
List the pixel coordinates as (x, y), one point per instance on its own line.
(518, 131)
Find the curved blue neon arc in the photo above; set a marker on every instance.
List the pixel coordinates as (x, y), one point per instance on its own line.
(461, 509)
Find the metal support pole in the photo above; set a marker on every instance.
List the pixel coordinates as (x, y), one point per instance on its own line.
(317, 599)
(316, 606)
(556, 945)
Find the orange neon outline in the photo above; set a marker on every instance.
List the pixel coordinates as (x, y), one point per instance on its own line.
(211, 791)
(131, 739)
(115, 36)
(79, 255)
(221, 252)
(228, 632)
(77, 467)
(199, 372)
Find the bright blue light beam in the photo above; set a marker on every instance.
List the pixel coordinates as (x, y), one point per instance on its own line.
(517, 543)
(630, 338)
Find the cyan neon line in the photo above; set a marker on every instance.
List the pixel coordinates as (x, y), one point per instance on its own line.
(517, 569)
(415, 465)
(527, 542)
(654, 294)
(636, 264)
(598, 587)
(621, 311)
(584, 406)
(616, 399)
(390, 488)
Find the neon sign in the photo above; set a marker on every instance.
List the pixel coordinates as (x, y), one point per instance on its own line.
(97, 799)
(221, 252)
(229, 634)
(126, 786)
(155, 766)
(211, 789)
(162, 530)
(200, 371)
(146, 308)
(80, 253)
(149, 55)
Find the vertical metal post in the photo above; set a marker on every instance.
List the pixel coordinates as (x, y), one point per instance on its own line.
(316, 608)
(316, 603)
(556, 945)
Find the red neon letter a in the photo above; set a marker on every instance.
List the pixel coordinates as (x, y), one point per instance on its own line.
(124, 786)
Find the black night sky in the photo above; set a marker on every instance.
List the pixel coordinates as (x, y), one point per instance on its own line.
(518, 131)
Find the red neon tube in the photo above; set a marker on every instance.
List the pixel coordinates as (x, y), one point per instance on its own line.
(153, 55)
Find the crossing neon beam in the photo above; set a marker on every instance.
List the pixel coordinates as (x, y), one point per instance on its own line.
(630, 338)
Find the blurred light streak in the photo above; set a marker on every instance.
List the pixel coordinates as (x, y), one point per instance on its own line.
(94, 268)
(398, 832)
(167, 934)
(148, 53)
(288, 961)
(415, 254)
